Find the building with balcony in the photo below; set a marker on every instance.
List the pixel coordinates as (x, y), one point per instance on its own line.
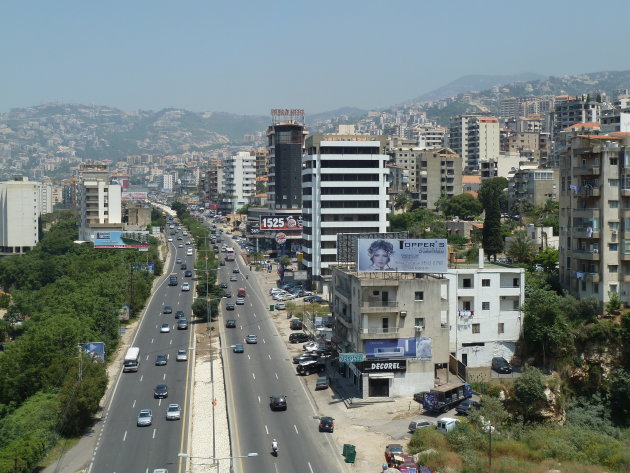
(475, 138)
(529, 183)
(19, 215)
(239, 181)
(399, 322)
(484, 301)
(569, 111)
(100, 203)
(345, 180)
(595, 216)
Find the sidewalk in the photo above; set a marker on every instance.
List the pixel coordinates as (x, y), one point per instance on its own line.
(368, 425)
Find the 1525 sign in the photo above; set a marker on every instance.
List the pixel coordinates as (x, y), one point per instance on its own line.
(281, 222)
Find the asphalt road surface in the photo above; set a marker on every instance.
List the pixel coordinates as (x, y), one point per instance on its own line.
(264, 370)
(125, 447)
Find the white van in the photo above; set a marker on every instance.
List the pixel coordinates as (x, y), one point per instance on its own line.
(446, 424)
(189, 252)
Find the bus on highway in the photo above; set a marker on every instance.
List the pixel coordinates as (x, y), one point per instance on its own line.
(229, 254)
(132, 360)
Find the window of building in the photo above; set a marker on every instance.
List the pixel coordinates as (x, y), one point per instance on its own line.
(613, 225)
(375, 293)
(613, 246)
(419, 295)
(419, 322)
(613, 182)
(596, 287)
(476, 328)
(614, 161)
(501, 327)
(515, 304)
(467, 282)
(485, 306)
(485, 282)
(612, 268)
(613, 204)
(466, 305)
(612, 287)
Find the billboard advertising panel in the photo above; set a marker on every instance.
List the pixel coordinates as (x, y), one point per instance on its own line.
(403, 255)
(95, 349)
(122, 240)
(280, 222)
(418, 348)
(134, 196)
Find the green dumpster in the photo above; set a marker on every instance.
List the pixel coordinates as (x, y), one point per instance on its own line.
(346, 448)
(351, 454)
(272, 307)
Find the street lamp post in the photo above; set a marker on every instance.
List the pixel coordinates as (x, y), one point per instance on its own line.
(215, 461)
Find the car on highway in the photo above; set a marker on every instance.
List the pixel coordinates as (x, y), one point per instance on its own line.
(230, 306)
(182, 355)
(236, 270)
(180, 237)
(178, 261)
(180, 245)
(160, 391)
(322, 383)
(222, 263)
(326, 424)
(251, 338)
(278, 403)
(169, 239)
(230, 323)
(145, 417)
(173, 412)
(182, 324)
(167, 309)
(298, 337)
(179, 314)
(305, 357)
(281, 306)
(240, 300)
(227, 294)
(186, 286)
(224, 285)
(238, 348)
(165, 328)
(183, 266)
(188, 273)
(161, 360)
(233, 278)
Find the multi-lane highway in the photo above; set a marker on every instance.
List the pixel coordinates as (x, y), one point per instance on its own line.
(123, 447)
(264, 370)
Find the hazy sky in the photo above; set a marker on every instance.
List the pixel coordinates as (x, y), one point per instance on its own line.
(249, 56)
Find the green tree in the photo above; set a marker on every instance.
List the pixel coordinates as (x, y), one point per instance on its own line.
(464, 206)
(528, 396)
(494, 200)
(548, 259)
(614, 302)
(403, 201)
(521, 248)
(619, 394)
(421, 223)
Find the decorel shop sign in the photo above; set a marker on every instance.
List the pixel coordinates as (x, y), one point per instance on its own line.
(381, 366)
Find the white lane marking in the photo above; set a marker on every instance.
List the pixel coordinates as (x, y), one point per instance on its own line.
(266, 429)
(296, 430)
(164, 377)
(133, 406)
(168, 356)
(153, 436)
(275, 465)
(269, 356)
(125, 436)
(264, 341)
(248, 357)
(277, 376)
(171, 342)
(141, 378)
(254, 375)
(309, 466)
(259, 327)
(160, 402)
(147, 357)
(258, 399)
(255, 316)
(151, 340)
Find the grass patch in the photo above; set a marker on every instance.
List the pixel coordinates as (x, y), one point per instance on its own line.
(61, 447)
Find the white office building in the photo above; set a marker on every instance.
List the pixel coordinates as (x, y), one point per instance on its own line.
(239, 180)
(45, 197)
(344, 190)
(99, 201)
(167, 182)
(19, 212)
(484, 303)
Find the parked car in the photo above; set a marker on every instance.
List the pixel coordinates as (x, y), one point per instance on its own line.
(464, 407)
(501, 365)
(173, 412)
(298, 337)
(251, 338)
(182, 355)
(311, 346)
(305, 357)
(308, 367)
(145, 417)
(278, 403)
(161, 360)
(417, 425)
(281, 306)
(160, 391)
(322, 383)
(295, 324)
(326, 424)
(419, 397)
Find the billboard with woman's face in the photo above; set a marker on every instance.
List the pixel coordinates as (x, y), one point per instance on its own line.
(403, 255)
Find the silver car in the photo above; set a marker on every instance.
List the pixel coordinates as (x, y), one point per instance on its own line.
(145, 417)
(182, 355)
(173, 412)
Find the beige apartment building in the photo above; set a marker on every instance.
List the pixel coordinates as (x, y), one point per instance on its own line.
(595, 216)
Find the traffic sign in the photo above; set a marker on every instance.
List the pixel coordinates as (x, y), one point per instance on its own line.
(351, 357)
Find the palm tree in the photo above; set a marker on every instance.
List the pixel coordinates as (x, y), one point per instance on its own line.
(402, 201)
(521, 249)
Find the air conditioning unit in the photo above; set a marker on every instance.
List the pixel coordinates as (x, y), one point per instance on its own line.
(595, 251)
(614, 233)
(419, 328)
(403, 313)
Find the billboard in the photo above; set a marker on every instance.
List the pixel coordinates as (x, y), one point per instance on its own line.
(403, 255)
(280, 222)
(418, 348)
(95, 349)
(134, 196)
(121, 240)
